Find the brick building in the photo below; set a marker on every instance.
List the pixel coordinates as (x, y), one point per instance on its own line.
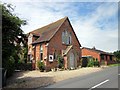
(50, 41)
(103, 57)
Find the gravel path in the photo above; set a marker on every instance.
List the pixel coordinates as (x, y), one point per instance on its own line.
(34, 79)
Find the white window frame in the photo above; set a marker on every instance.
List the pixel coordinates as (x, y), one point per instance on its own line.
(41, 48)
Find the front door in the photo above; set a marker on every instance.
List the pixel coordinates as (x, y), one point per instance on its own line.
(72, 61)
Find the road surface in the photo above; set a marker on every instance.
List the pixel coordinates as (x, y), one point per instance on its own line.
(107, 78)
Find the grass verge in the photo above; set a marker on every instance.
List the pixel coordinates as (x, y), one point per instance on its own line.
(118, 64)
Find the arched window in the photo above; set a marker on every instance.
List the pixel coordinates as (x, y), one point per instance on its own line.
(66, 37)
(63, 37)
(70, 37)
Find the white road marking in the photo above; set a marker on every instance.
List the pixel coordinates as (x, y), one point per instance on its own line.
(99, 84)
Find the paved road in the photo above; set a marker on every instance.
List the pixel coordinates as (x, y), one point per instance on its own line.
(107, 78)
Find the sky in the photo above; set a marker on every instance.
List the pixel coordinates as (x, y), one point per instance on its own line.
(95, 23)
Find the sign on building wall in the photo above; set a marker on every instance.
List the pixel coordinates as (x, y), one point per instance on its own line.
(51, 58)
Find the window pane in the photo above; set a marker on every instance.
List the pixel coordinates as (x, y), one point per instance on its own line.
(70, 38)
(54, 55)
(41, 48)
(41, 56)
(67, 39)
(62, 36)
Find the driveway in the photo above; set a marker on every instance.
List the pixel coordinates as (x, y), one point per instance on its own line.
(36, 79)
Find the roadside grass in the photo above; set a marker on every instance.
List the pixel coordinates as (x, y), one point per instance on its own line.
(118, 64)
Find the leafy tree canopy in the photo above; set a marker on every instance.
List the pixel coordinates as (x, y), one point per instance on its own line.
(12, 35)
(117, 55)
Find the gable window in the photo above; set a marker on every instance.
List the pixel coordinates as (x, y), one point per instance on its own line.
(70, 38)
(69, 41)
(66, 37)
(63, 37)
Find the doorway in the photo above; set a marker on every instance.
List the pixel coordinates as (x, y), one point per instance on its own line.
(72, 61)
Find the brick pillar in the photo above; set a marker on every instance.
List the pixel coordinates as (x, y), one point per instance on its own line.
(105, 59)
(33, 65)
(37, 55)
(108, 59)
(65, 62)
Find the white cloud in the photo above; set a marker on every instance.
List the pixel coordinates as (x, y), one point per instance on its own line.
(91, 35)
(93, 29)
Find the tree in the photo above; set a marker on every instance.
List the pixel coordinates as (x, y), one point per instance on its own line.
(60, 61)
(117, 55)
(12, 36)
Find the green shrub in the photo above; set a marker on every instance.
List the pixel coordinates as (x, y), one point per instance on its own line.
(93, 62)
(41, 66)
(60, 62)
(20, 61)
(90, 63)
(96, 63)
(10, 66)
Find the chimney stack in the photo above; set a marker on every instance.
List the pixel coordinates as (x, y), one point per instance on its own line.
(94, 47)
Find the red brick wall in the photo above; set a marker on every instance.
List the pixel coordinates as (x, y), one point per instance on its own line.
(55, 45)
(65, 62)
(56, 42)
(37, 52)
(86, 52)
(110, 61)
(106, 60)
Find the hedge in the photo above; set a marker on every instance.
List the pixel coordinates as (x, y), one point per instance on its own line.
(93, 62)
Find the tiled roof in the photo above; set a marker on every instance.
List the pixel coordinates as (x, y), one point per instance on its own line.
(45, 36)
(48, 31)
(36, 34)
(97, 51)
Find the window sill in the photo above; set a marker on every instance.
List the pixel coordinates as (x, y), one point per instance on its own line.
(66, 44)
